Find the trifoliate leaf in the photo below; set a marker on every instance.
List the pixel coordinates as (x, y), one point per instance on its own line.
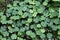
(56, 0)
(59, 32)
(34, 14)
(32, 35)
(38, 25)
(44, 24)
(9, 21)
(3, 39)
(13, 36)
(28, 32)
(14, 17)
(59, 13)
(31, 11)
(29, 20)
(42, 36)
(42, 30)
(5, 34)
(41, 9)
(49, 35)
(20, 38)
(58, 26)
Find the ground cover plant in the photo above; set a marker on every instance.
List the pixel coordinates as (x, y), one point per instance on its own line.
(30, 20)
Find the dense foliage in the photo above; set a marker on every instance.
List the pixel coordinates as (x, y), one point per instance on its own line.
(31, 20)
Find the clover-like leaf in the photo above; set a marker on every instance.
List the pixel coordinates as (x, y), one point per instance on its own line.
(36, 19)
(49, 35)
(28, 32)
(5, 34)
(38, 32)
(31, 11)
(15, 3)
(0, 37)
(43, 18)
(59, 13)
(38, 25)
(3, 21)
(20, 38)
(9, 21)
(44, 24)
(58, 26)
(59, 32)
(56, 21)
(56, 0)
(42, 30)
(41, 9)
(42, 36)
(37, 3)
(32, 35)
(35, 14)
(13, 36)
(3, 17)
(29, 20)
(14, 17)
(3, 39)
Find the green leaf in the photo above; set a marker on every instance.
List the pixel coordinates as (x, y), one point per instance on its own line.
(38, 25)
(56, 21)
(3, 21)
(29, 20)
(3, 39)
(33, 35)
(16, 29)
(56, 0)
(5, 34)
(44, 24)
(31, 11)
(9, 21)
(9, 5)
(34, 14)
(14, 17)
(19, 33)
(43, 18)
(24, 8)
(38, 32)
(59, 13)
(58, 37)
(41, 9)
(3, 17)
(15, 3)
(42, 30)
(20, 13)
(13, 36)
(28, 1)
(42, 36)
(53, 14)
(1, 13)
(59, 32)
(45, 3)
(22, 29)
(37, 3)
(20, 38)
(25, 15)
(10, 29)
(58, 26)
(28, 32)
(36, 19)
(49, 35)
(54, 28)
(0, 37)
